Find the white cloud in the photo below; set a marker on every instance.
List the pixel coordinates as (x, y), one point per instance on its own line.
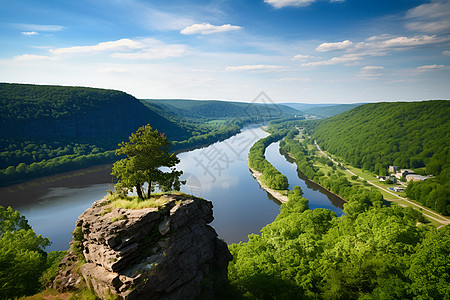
(399, 43)
(431, 68)
(254, 67)
(383, 36)
(29, 33)
(283, 3)
(383, 44)
(371, 72)
(28, 57)
(371, 68)
(294, 79)
(446, 52)
(206, 28)
(431, 17)
(39, 27)
(345, 59)
(325, 47)
(104, 46)
(297, 3)
(301, 57)
(153, 53)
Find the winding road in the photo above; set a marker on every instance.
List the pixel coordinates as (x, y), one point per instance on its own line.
(443, 220)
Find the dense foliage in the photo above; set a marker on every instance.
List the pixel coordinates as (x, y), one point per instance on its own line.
(311, 254)
(256, 160)
(26, 101)
(50, 129)
(359, 198)
(22, 258)
(414, 135)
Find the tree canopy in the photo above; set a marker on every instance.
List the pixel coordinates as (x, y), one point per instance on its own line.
(22, 256)
(412, 135)
(147, 152)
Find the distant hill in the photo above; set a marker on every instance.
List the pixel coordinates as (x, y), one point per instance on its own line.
(46, 129)
(322, 110)
(215, 109)
(410, 135)
(39, 111)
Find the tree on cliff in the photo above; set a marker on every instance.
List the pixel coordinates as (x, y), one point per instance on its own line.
(147, 152)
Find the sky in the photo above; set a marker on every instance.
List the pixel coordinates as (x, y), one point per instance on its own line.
(308, 51)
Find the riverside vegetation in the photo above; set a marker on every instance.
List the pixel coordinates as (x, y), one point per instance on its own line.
(374, 251)
(53, 129)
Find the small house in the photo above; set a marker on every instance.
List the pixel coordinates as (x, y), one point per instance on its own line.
(415, 177)
(398, 189)
(393, 169)
(403, 173)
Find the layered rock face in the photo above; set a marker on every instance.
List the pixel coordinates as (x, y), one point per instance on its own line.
(167, 252)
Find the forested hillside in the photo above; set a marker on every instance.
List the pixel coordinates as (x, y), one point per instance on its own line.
(213, 109)
(412, 135)
(51, 129)
(329, 111)
(322, 110)
(30, 111)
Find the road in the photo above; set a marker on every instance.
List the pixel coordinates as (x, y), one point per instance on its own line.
(444, 221)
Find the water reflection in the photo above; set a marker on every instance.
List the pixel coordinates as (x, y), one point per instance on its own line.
(218, 173)
(318, 197)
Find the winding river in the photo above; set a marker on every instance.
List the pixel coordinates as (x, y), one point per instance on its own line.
(218, 173)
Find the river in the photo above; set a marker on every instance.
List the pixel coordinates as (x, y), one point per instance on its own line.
(218, 173)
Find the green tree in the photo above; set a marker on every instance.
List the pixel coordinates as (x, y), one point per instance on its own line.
(22, 258)
(147, 152)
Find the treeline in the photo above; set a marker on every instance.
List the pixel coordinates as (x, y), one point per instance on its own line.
(221, 133)
(54, 165)
(256, 160)
(26, 160)
(380, 253)
(27, 101)
(413, 135)
(358, 198)
(432, 193)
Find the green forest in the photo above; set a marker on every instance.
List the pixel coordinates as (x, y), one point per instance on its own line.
(53, 129)
(379, 253)
(256, 160)
(410, 135)
(373, 251)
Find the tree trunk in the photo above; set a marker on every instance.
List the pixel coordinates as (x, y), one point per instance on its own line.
(149, 189)
(139, 192)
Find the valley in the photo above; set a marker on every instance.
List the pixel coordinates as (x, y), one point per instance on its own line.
(324, 172)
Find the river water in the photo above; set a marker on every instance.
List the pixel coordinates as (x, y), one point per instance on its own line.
(218, 173)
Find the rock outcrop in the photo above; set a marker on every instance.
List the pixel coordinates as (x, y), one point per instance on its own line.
(168, 252)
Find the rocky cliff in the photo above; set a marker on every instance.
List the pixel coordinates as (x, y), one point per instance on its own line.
(168, 252)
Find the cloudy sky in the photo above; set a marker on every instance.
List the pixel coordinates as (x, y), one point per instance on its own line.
(313, 51)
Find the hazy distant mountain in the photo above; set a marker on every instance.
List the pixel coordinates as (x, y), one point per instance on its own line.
(216, 109)
(322, 110)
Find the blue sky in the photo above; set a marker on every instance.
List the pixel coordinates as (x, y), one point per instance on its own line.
(313, 51)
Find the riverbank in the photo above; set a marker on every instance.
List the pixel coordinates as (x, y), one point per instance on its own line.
(325, 190)
(276, 194)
